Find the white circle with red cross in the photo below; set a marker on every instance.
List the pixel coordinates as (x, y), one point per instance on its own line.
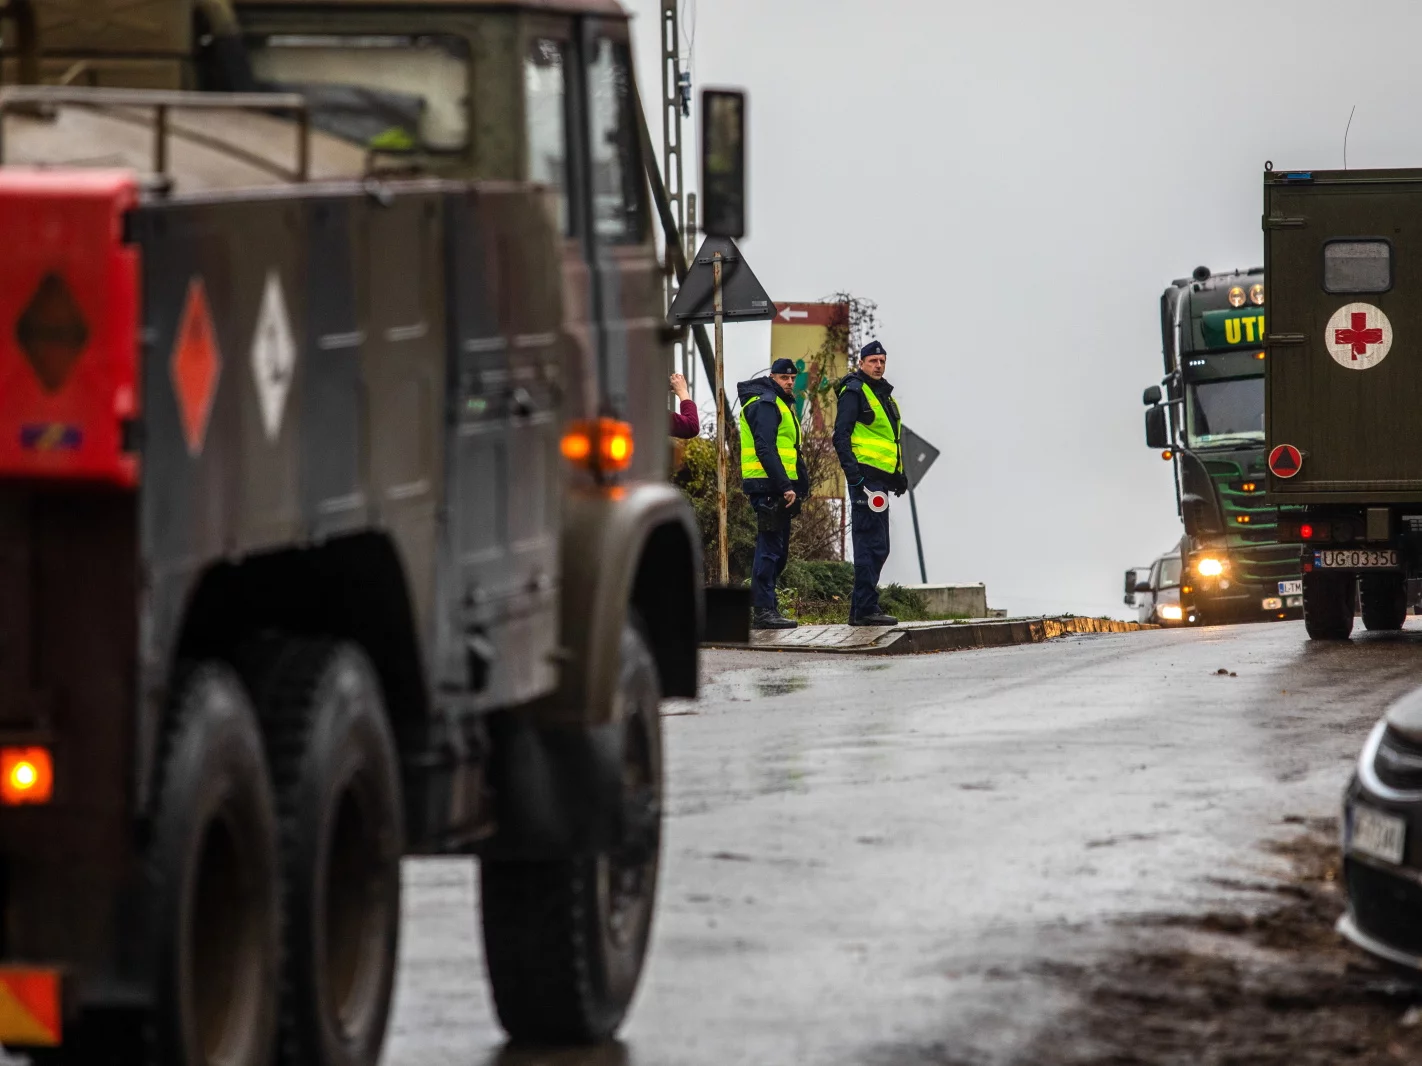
(1358, 336)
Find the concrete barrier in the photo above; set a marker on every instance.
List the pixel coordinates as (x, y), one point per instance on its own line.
(966, 601)
(916, 638)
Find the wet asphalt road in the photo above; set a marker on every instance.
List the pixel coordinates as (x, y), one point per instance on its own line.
(876, 860)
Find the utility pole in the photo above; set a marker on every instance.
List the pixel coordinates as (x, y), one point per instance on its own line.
(676, 103)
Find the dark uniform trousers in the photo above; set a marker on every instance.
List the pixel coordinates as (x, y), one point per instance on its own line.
(871, 551)
(772, 552)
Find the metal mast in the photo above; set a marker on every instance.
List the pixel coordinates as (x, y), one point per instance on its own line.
(676, 103)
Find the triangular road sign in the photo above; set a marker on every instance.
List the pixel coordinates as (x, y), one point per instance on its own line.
(918, 456)
(742, 298)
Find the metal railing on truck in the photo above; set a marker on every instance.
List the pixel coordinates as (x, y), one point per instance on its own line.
(17, 98)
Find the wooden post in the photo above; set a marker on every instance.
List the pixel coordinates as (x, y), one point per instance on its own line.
(721, 436)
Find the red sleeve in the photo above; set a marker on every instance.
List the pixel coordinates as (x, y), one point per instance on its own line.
(687, 424)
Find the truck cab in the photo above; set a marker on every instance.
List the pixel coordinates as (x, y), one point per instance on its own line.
(1207, 417)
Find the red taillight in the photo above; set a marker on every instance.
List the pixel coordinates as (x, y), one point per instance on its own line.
(68, 325)
(1306, 531)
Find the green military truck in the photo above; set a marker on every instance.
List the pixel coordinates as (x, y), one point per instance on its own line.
(334, 517)
(1342, 388)
(1207, 417)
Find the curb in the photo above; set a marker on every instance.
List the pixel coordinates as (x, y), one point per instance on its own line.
(922, 638)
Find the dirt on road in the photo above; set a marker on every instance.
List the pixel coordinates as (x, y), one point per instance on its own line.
(1277, 987)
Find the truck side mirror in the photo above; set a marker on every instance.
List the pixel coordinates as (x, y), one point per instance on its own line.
(1156, 434)
(1151, 396)
(723, 163)
(1131, 587)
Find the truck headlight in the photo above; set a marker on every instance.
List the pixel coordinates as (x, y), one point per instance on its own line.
(1208, 567)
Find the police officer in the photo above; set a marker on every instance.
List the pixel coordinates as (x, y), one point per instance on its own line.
(867, 432)
(773, 477)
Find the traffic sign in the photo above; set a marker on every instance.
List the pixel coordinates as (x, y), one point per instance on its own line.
(1285, 461)
(919, 455)
(742, 297)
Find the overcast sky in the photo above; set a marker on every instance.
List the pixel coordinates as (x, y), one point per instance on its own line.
(1014, 184)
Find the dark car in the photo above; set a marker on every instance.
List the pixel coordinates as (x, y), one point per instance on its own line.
(1382, 839)
(1155, 592)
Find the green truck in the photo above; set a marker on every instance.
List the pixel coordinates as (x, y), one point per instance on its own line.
(1207, 418)
(1343, 388)
(335, 522)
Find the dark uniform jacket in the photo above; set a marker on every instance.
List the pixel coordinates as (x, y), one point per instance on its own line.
(763, 417)
(853, 407)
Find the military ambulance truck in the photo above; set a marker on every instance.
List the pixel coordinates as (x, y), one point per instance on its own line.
(1207, 416)
(334, 518)
(1343, 385)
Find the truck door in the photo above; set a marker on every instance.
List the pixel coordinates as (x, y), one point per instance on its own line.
(1343, 259)
(627, 296)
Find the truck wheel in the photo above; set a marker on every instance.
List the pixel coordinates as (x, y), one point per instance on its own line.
(1384, 601)
(342, 834)
(212, 876)
(1329, 605)
(565, 940)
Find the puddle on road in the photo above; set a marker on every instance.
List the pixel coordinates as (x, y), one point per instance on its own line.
(781, 686)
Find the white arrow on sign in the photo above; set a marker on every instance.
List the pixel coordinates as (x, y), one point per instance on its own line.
(787, 314)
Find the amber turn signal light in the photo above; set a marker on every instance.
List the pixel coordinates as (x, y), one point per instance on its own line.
(26, 776)
(604, 445)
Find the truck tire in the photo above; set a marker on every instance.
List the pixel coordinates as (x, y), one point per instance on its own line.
(1384, 599)
(565, 940)
(1329, 605)
(339, 802)
(211, 867)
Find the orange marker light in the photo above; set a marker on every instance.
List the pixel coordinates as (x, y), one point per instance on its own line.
(26, 776)
(576, 445)
(605, 445)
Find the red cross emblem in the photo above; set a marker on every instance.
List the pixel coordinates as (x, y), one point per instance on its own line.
(1358, 336)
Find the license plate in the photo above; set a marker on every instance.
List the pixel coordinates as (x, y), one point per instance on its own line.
(1355, 559)
(1383, 836)
(1290, 588)
(1273, 603)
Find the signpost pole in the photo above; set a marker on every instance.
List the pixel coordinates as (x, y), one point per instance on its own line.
(918, 539)
(721, 436)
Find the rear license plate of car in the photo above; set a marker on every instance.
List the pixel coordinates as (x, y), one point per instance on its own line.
(1355, 559)
(1273, 603)
(1290, 588)
(1382, 836)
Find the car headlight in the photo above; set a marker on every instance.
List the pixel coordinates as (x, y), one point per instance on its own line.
(1171, 611)
(1209, 567)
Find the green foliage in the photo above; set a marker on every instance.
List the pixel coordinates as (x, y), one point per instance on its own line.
(697, 478)
(818, 580)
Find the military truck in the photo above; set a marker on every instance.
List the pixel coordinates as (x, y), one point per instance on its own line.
(334, 517)
(1209, 422)
(1342, 447)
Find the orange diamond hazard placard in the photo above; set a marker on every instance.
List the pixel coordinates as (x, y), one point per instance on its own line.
(29, 1008)
(1285, 461)
(196, 366)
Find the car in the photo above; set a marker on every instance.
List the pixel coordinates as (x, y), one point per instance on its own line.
(1382, 839)
(1155, 592)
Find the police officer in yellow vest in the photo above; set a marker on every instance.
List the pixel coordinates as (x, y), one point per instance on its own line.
(867, 432)
(773, 477)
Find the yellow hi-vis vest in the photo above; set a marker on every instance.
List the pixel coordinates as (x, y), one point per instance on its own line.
(878, 444)
(787, 438)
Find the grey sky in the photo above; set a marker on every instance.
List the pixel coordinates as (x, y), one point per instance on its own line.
(1015, 184)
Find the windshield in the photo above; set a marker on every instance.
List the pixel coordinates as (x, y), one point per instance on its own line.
(1170, 572)
(386, 92)
(1225, 412)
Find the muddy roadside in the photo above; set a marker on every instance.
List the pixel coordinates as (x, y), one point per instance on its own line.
(1276, 987)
